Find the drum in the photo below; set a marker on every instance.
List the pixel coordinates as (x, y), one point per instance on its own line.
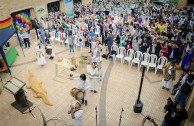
(49, 50)
(77, 94)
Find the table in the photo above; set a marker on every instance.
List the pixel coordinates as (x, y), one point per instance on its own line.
(66, 65)
(10, 53)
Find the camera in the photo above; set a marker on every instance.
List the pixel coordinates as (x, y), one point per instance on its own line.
(170, 105)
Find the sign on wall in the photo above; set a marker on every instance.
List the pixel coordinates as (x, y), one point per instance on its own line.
(68, 7)
(41, 11)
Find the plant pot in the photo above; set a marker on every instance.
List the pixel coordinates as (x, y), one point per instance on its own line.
(81, 65)
(73, 62)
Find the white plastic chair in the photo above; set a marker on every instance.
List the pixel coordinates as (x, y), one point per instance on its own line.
(52, 36)
(152, 62)
(137, 58)
(58, 38)
(114, 48)
(145, 60)
(161, 62)
(120, 54)
(129, 56)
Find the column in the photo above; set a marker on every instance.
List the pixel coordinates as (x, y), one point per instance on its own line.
(182, 4)
(62, 6)
(4, 9)
(86, 2)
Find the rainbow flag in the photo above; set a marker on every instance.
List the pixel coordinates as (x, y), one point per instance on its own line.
(21, 18)
(6, 24)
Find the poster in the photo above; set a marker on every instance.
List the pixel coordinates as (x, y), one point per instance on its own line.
(41, 11)
(68, 7)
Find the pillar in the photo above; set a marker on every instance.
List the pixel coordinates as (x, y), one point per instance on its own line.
(86, 2)
(62, 6)
(32, 13)
(181, 4)
(4, 9)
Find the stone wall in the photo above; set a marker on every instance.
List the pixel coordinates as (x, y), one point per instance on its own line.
(9, 6)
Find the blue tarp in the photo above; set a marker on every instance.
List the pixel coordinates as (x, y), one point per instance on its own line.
(5, 35)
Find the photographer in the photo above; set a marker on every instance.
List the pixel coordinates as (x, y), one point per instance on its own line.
(149, 119)
(176, 114)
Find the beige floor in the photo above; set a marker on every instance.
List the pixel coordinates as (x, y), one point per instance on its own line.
(122, 91)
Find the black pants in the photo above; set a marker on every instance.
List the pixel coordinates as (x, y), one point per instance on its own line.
(27, 42)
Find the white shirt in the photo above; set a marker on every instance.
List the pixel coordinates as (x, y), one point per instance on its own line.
(83, 84)
(78, 121)
(25, 34)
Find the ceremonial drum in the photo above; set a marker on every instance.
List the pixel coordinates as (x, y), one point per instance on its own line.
(49, 50)
(77, 94)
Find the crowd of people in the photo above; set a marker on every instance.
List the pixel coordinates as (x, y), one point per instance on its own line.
(158, 29)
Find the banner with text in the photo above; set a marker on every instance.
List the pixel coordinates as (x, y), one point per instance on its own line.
(68, 7)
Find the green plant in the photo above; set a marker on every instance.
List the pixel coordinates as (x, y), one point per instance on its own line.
(81, 61)
(73, 58)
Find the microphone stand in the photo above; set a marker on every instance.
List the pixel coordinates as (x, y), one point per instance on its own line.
(96, 116)
(122, 110)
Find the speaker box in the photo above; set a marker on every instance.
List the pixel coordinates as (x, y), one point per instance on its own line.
(20, 98)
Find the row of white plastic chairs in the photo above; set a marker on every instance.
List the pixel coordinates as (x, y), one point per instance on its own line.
(139, 58)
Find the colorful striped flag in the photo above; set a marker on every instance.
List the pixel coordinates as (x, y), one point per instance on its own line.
(7, 23)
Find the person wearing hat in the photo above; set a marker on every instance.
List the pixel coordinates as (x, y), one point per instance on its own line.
(76, 114)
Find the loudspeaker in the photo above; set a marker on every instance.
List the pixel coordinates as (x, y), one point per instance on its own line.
(21, 98)
(137, 108)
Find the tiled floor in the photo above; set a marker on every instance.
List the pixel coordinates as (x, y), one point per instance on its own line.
(122, 91)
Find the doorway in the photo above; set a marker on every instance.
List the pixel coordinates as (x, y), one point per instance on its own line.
(53, 7)
(21, 18)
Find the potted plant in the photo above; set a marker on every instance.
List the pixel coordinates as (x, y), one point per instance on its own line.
(73, 61)
(81, 62)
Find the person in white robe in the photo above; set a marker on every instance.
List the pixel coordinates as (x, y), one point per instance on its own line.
(98, 60)
(84, 86)
(93, 76)
(40, 55)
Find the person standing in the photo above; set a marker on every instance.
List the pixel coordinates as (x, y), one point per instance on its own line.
(26, 37)
(175, 116)
(71, 39)
(94, 76)
(84, 86)
(169, 75)
(110, 39)
(42, 33)
(40, 56)
(98, 60)
(76, 114)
